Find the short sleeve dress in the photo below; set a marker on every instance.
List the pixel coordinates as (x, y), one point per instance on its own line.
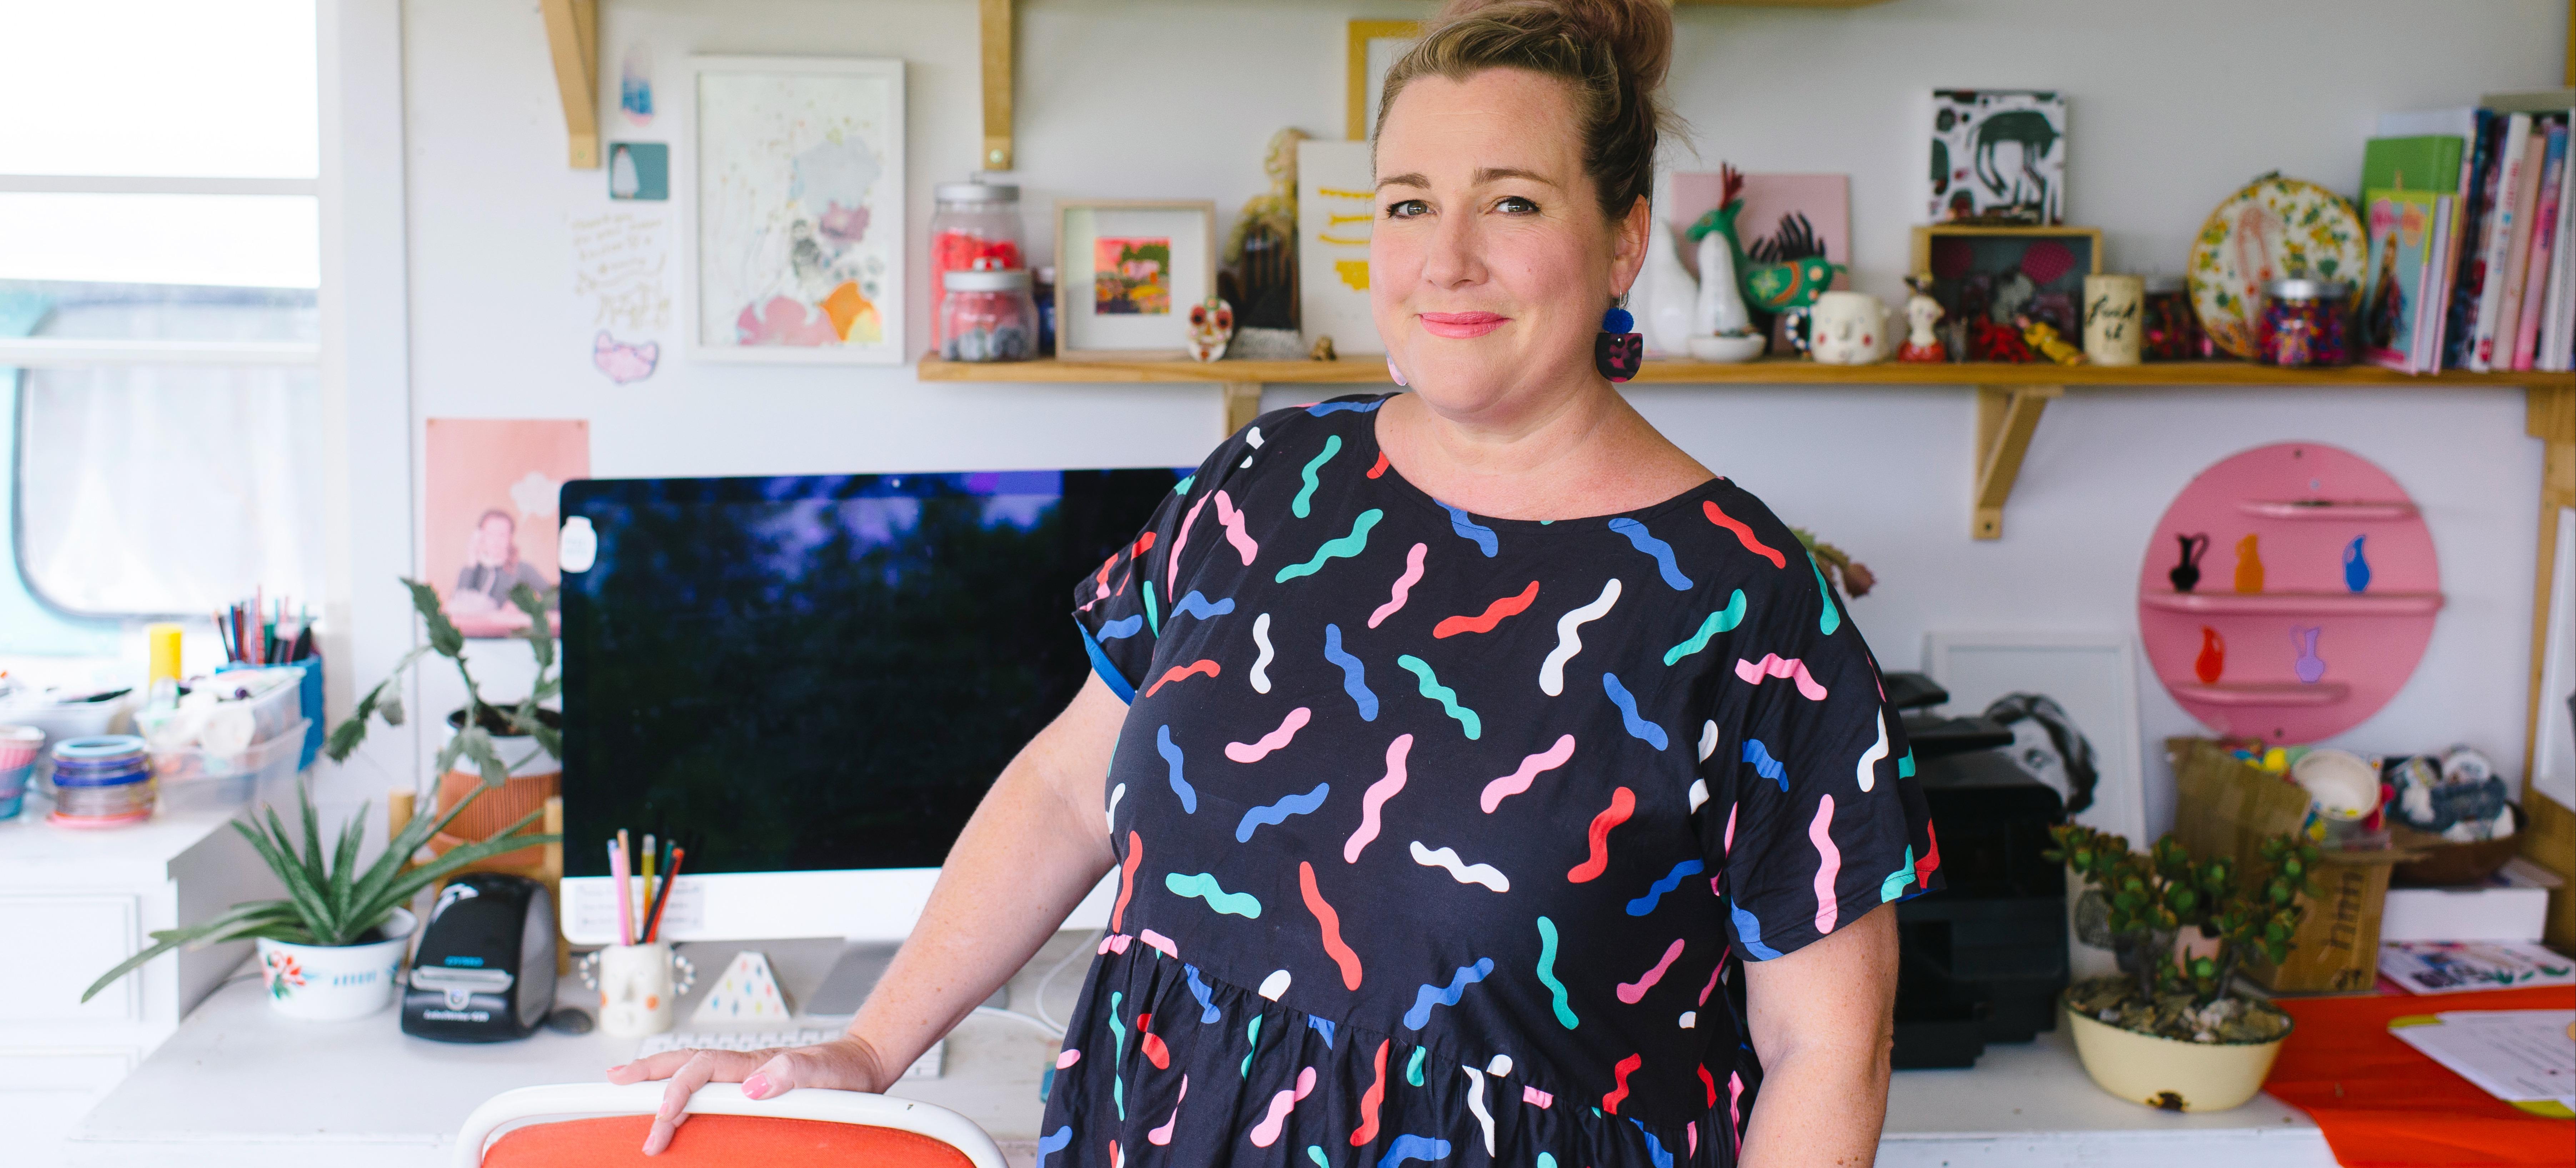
(1442, 838)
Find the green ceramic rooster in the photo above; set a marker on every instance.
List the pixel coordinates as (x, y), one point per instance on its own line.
(1770, 287)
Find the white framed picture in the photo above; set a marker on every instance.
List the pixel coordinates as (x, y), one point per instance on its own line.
(791, 179)
(1127, 272)
(2094, 676)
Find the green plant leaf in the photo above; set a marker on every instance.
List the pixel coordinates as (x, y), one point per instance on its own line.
(539, 633)
(443, 636)
(345, 858)
(408, 883)
(550, 740)
(308, 901)
(313, 864)
(477, 745)
(399, 849)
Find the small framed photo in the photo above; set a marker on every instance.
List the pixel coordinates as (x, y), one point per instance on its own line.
(1985, 277)
(1375, 47)
(1127, 272)
(791, 173)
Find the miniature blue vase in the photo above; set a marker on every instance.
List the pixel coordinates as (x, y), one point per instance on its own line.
(2356, 569)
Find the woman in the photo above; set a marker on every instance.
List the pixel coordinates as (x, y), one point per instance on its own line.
(1497, 787)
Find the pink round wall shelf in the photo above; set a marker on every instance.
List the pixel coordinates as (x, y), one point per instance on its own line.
(2288, 593)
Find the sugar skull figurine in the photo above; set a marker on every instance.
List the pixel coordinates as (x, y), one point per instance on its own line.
(639, 986)
(1922, 312)
(1211, 328)
(1844, 328)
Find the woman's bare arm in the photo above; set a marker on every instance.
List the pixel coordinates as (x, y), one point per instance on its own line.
(1036, 845)
(1824, 1022)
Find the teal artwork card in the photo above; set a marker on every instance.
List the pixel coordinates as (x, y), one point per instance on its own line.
(639, 171)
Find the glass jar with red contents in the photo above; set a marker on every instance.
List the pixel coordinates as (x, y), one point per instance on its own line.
(2172, 328)
(2305, 322)
(974, 227)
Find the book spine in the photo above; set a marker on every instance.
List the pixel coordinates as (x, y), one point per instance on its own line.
(2499, 238)
(2544, 238)
(2435, 292)
(2477, 187)
(2558, 318)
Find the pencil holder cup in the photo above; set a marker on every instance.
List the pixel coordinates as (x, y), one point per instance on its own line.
(639, 986)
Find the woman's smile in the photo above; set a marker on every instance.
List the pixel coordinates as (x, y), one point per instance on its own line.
(1461, 325)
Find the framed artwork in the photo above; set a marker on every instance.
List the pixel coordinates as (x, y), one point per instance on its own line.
(1127, 272)
(1336, 208)
(792, 175)
(1998, 156)
(2094, 676)
(489, 516)
(1983, 277)
(1375, 47)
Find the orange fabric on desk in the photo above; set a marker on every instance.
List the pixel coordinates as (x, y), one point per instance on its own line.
(2384, 1104)
(711, 1140)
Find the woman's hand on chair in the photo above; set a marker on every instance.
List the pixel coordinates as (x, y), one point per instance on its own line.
(845, 1064)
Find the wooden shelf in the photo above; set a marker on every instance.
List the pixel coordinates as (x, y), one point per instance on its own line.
(1372, 371)
(2266, 694)
(2333, 512)
(2295, 603)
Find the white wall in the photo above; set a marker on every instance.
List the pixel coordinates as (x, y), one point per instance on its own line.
(2173, 105)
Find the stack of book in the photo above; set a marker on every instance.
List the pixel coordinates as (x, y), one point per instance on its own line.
(2471, 214)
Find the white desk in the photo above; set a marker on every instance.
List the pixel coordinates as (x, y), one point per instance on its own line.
(239, 1086)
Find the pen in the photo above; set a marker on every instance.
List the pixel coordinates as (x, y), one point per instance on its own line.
(645, 906)
(669, 877)
(617, 873)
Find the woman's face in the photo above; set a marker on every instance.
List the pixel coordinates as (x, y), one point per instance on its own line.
(1490, 263)
(492, 541)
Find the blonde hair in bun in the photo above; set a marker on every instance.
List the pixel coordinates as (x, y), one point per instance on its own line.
(1612, 55)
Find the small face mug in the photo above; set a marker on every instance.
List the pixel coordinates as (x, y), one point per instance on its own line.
(1846, 328)
(639, 987)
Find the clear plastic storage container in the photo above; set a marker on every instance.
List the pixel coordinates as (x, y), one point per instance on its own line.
(988, 316)
(973, 226)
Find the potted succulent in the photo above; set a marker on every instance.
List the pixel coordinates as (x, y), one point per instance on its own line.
(329, 949)
(510, 751)
(2168, 1030)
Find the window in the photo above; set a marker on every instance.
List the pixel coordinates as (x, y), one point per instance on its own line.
(159, 262)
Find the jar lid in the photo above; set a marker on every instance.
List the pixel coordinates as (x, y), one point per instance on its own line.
(2301, 288)
(988, 280)
(975, 192)
(2164, 285)
(105, 748)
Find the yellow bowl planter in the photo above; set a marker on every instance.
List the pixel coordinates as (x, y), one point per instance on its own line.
(2168, 1073)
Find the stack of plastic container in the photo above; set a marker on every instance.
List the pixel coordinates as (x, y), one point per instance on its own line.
(101, 782)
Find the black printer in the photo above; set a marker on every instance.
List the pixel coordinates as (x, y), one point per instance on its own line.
(1982, 960)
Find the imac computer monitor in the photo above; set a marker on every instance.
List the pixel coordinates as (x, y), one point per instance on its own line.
(810, 682)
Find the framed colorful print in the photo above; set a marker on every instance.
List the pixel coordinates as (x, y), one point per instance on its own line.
(792, 175)
(1375, 47)
(1998, 157)
(1336, 212)
(1127, 272)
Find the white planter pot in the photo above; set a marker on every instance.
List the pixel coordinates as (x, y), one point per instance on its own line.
(331, 983)
(2167, 1073)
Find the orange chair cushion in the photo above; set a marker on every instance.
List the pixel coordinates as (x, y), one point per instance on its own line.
(710, 1140)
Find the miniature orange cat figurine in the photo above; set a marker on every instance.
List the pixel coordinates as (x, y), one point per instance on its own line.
(2249, 566)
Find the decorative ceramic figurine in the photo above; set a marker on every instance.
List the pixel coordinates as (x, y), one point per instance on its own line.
(1323, 350)
(1844, 328)
(2043, 336)
(2114, 307)
(1719, 310)
(1211, 326)
(2186, 573)
(1773, 287)
(1922, 312)
(2356, 569)
(2212, 662)
(1664, 298)
(2249, 565)
(2310, 667)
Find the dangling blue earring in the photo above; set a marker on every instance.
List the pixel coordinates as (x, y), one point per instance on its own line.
(1618, 351)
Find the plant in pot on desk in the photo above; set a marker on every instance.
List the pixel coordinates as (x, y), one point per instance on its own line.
(2166, 1031)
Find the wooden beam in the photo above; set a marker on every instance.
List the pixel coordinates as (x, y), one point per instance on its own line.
(994, 21)
(2550, 415)
(2006, 418)
(572, 37)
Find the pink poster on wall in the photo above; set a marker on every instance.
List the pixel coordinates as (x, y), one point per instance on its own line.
(490, 515)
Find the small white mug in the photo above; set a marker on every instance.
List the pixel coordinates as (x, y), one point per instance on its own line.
(639, 987)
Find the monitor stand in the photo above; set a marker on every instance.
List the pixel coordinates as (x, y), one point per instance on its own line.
(855, 972)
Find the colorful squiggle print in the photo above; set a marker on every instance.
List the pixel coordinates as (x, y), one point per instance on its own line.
(1765, 765)
(1376, 796)
(1302, 505)
(1412, 1147)
(1203, 886)
(1829, 864)
(1333, 549)
(1748, 929)
(1403, 585)
(1431, 995)
(1261, 664)
(1447, 697)
(1723, 620)
(1494, 614)
(1209, 1015)
(1370, 1099)
(1379, 467)
(1661, 551)
(1354, 674)
(1743, 534)
(1150, 1044)
(1180, 784)
(1476, 1106)
(1655, 892)
(1654, 1149)
(1054, 1142)
(1622, 803)
(1831, 618)
(1196, 668)
(1199, 606)
(1894, 886)
(1413, 1066)
(1775, 665)
(1633, 992)
(1121, 629)
(1563, 1005)
(1127, 879)
(1276, 813)
(1551, 672)
(1866, 774)
(1235, 533)
(1459, 870)
(1331, 922)
(1162, 1136)
(1627, 1066)
(1252, 752)
(1519, 780)
(1322, 408)
(1472, 531)
(1638, 728)
(1266, 1132)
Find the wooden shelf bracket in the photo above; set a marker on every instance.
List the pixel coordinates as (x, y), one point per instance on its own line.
(572, 38)
(994, 22)
(2007, 415)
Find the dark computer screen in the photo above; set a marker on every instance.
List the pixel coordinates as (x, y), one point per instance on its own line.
(790, 674)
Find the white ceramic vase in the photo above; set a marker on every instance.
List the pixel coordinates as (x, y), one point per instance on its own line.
(332, 983)
(1720, 310)
(1664, 296)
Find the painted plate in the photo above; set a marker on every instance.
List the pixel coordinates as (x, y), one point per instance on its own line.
(2275, 228)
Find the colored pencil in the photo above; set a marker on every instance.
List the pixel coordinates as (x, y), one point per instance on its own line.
(648, 870)
(670, 876)
(617, 873)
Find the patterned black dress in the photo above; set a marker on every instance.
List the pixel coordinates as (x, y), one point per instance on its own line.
(1442, 838)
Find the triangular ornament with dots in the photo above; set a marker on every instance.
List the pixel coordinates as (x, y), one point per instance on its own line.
(748, 992)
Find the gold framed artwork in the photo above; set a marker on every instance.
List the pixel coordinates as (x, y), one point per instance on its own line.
(1127, 272)
(1375, 47)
